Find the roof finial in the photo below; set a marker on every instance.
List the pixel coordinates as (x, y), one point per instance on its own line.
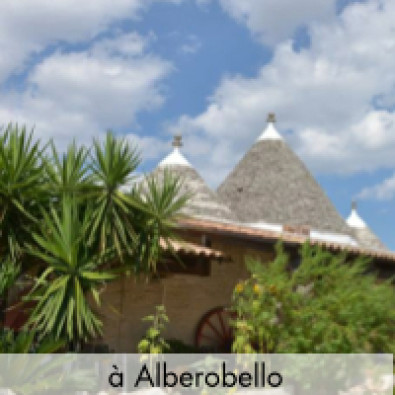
(354, 220)
(271, 117)
(175, 157)
(270, 132)
(177, 141)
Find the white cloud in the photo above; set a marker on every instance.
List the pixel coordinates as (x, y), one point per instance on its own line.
(382, 191)
(80, 94)
(26, 28)
(275, 20)
(324, 93)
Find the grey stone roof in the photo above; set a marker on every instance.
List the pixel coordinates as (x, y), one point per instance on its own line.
(361, 231)
(203, 202)
(367, 239)
(271, 184)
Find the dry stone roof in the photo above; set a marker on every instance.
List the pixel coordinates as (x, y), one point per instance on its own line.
(269, 188)
(362, 233)
(203, 202)
(271, 184)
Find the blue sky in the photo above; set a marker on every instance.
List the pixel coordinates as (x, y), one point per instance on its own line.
(212, 70)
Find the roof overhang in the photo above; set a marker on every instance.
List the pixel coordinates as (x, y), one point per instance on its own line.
(187, 248)
(271, 236)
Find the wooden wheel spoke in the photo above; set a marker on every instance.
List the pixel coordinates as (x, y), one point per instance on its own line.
(221, 321)
(214, 330)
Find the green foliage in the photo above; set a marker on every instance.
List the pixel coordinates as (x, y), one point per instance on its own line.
(153, 341)
(327, 305)
(161, 201)
(70, 216)
(113, 165)
(68, 173)
(9, 272)
(28, 342)
(71, 273)
(22, 191)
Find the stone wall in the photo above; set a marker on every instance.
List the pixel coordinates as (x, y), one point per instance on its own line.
(187, 297)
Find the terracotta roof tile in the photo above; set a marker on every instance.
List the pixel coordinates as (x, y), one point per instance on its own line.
(268, 235)
(193, 249)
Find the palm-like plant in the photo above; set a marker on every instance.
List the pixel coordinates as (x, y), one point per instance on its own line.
(9, 271)
(113, 165)
(22, 190)
(73, 271)
(68, 173)
(162, 199)
(26, 342)
(74, 217)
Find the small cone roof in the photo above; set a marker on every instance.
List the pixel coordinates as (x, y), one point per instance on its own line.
(361, 231)
(271, 184)
(203, 202)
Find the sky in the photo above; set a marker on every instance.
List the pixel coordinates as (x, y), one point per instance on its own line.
(212, 70)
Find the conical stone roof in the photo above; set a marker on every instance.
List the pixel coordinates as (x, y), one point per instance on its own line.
(361, 231)
(203, 202)
(272, 185)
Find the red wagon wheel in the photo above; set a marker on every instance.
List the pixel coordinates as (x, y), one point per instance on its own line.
(214, 332)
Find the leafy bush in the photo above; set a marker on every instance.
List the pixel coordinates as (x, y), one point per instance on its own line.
(68, 219)
(153, 341)
(326, 305)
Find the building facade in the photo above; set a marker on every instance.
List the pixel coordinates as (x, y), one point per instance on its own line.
(270, 195)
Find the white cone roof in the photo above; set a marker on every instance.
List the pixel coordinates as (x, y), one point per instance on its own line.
(270, 133)
(361, 231)
(203, 202)
(175, 158)
(355, 221)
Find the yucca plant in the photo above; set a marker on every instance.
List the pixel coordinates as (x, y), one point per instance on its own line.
(72, 272)
(71, 213)
(68, 173)
(162, 199)
(25, 342)
(9, 271)
(113, 166)
(22, 193)
(22, 190)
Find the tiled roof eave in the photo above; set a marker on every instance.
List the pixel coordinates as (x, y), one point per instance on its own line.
(188, 248)
(271, 236)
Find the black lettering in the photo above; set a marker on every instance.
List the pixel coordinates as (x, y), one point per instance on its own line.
(116, 378)
(167, 375)
(186, 376)
(213, 374)
(275, 379)
(198, 375)
(256, 375)
(263, 374)
(141, 378)
(225, 375)
(245, 379)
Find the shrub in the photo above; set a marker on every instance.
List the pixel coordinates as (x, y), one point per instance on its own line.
(328, 304)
